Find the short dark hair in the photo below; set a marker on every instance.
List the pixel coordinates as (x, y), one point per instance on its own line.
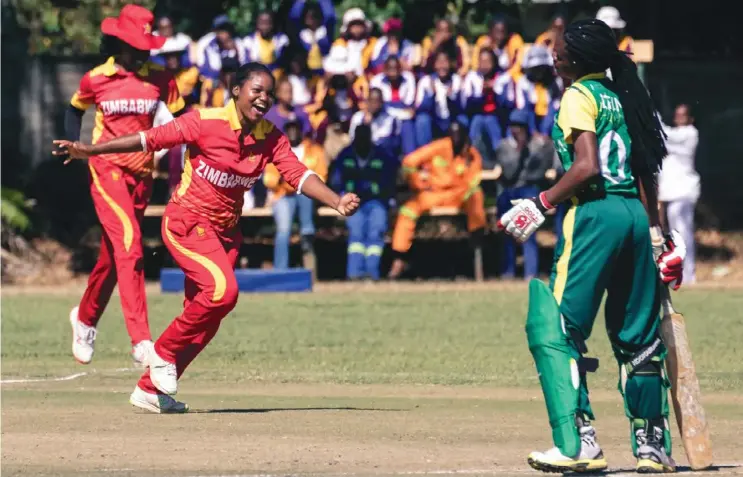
(392, 59)
(292, 123)
(248, 70)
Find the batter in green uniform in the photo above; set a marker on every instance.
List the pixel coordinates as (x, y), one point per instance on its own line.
(611, 145)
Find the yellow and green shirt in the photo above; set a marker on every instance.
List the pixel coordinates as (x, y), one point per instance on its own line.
(590, 104)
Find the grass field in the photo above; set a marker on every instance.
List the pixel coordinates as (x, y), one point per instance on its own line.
(346, 381)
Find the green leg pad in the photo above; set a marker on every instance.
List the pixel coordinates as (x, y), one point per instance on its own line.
(646, 398)
(556, 360)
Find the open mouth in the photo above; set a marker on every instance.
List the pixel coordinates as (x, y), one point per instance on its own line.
(260, 108)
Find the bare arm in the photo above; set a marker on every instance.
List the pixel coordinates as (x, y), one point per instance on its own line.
(314, 188)
(79, 150)
(649, 197)
(585, 167)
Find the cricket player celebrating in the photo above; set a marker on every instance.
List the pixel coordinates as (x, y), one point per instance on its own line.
(610, 144)
(228, 149)
(126, 91)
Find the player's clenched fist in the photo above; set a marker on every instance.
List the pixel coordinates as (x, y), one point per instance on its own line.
(348, 204)
(524, 218)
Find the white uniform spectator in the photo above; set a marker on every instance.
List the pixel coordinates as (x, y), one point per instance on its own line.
(678, 182)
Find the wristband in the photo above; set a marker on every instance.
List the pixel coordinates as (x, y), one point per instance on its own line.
(544, 202)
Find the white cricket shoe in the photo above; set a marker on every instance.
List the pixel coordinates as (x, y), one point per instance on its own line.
(590, 458)
(651, 453)
(157, 403)
(163, 374)
(141, 353)
(83, 339)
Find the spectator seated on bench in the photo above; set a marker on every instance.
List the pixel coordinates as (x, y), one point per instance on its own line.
(445, 173)
(286, 201)
(523, 161)
(368, 171)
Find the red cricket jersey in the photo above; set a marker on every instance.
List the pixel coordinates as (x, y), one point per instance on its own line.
(125, 104)
(222, 162)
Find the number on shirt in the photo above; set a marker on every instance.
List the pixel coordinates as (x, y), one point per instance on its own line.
(613, 157)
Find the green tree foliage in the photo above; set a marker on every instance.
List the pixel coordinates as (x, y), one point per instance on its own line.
(67, 27)
(72, 27)
(13, 209)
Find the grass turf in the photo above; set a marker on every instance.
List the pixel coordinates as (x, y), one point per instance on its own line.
(420, 337)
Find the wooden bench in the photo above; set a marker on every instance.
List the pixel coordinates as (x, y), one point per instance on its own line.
(487, 175)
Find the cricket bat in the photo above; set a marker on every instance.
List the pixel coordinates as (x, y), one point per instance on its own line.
(685, 393)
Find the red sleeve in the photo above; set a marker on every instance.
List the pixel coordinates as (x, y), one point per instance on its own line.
(181, 130)
(170, 95)
(286, 161)
(84, 97)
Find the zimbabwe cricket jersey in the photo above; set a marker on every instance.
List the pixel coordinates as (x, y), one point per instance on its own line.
(222, 162)
(125, 104)
(590, 104)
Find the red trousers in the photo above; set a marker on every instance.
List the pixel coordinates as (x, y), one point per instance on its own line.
(207, 256)
(120, 199)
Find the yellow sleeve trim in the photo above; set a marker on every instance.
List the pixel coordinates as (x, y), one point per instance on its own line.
(578, 110)
(177, 105)
(78, 103)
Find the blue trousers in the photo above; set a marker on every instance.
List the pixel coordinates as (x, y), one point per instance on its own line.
(283, 212)
(407, 129)
(485, 130)
(366, 231)
(531, 251)
(428, 126)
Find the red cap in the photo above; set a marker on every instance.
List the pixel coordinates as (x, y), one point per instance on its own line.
(134, 27)
(393, 24)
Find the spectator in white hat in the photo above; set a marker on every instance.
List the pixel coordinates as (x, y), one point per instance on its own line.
(539, 90)
(356, 39)
(678, 182)
(610, 15)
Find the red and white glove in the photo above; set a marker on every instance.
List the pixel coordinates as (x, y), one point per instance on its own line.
(671, 261)
(525, 217)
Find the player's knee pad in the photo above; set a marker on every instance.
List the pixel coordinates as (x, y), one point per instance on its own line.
(556, 359)
(644, 386)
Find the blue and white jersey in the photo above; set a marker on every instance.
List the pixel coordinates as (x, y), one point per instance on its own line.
(265, 51)
(380, 53)
(399, 102)
(209, 55)
(437, 97)
(506, 92)
(385, 130)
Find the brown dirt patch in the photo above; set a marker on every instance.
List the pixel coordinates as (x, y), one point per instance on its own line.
(86, 428)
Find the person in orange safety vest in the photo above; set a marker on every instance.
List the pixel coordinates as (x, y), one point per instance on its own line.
(445, 173)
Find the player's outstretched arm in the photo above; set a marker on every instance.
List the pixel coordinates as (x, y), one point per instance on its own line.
(80, 150)
(314, 188)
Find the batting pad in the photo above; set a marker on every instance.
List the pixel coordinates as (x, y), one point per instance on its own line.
(248, 280)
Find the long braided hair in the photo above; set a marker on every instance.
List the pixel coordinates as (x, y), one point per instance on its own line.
(591, 44)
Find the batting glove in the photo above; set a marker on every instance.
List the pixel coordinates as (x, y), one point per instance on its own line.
(671, 261)
(525, 217)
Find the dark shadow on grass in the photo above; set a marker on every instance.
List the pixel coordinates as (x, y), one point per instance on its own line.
(288, 409)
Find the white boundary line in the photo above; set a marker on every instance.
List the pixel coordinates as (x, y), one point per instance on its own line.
(62, 378)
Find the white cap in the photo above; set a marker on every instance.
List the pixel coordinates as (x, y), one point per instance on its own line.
(536, 55)
(611, 17)
(354, 15)
(337, 61)
(174, 44)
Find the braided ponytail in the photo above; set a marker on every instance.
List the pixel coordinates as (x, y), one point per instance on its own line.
(592, 45)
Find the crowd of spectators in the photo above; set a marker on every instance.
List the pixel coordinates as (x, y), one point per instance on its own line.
(363, 106)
